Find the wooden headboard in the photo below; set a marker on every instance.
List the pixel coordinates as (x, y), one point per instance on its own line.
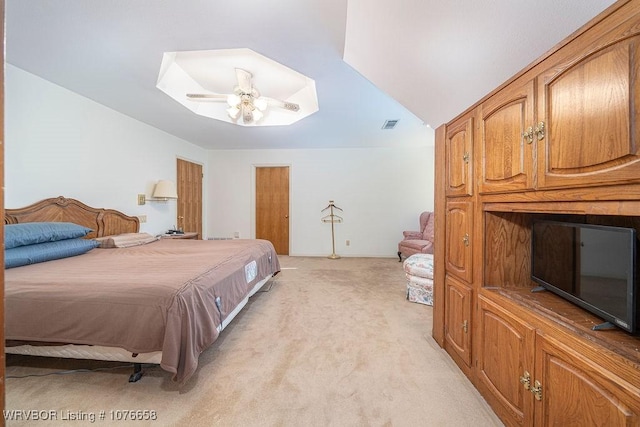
(104, 222)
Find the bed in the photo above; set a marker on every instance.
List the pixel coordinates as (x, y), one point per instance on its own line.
(162, 302)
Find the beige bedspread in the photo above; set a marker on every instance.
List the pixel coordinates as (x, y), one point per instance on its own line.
(159, 296)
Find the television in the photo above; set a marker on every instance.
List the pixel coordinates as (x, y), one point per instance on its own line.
(593, 266)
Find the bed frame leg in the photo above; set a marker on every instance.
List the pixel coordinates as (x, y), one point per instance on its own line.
(137, 373)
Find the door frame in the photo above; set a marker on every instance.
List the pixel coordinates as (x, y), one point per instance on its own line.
(254, 166)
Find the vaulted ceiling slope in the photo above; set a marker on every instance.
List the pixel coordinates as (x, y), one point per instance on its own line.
(427, 59)
(439, 57)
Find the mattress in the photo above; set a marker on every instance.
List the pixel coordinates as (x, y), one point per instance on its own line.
(115, 354)
(169, 296)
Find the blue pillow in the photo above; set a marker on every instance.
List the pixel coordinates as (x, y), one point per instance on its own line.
(40, 252)
(30, 233)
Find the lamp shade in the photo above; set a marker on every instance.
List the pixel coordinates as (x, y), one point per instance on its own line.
(165, 189)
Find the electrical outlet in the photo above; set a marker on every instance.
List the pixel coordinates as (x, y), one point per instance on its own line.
(142, 218)
(142, 199)
(236, 235)
(348, 242)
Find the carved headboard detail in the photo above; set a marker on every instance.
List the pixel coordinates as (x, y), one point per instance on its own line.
(104, 222)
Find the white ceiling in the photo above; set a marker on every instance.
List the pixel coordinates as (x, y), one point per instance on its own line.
(428, 59)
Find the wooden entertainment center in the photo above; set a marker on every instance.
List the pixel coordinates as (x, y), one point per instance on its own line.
(560, 140)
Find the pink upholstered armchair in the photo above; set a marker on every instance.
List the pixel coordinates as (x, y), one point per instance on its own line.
(416, 242)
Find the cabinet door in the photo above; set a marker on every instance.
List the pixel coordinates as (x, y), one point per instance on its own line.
(458, 319)
(459, 240)
(459, 144)
(505, 354)
(507, 139)
(590, 109)
(575, 391)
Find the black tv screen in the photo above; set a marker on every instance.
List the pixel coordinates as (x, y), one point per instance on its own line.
(593, 266)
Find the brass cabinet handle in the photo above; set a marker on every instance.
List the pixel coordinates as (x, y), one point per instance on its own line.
(465, 326)
(465, 240)
(537, 390)
(466, 157)
(528, 135)
(539, 130)
(525, 380)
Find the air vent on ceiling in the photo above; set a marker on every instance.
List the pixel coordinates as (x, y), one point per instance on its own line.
(389, 124)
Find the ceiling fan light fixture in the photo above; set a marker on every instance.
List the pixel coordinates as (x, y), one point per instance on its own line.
(257, 115)
(247, 115)
(260, 103)
(233, 112)
(226, 83)
(233, 100)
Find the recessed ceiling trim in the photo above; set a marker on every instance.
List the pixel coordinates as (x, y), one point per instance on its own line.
(203, 81)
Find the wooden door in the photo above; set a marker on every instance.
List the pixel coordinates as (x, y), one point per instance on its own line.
(458, 320)
(459, 239)
(505, 354)
(458, 156)
(589, 106)
(272, 206)
(507, 139)
(189, 188)
(576, 391)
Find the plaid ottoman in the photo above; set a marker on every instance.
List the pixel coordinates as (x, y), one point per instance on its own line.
(419, 271)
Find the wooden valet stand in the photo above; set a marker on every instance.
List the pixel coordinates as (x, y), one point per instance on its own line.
(332, 218)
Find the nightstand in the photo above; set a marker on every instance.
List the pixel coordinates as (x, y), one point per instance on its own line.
(186, 235)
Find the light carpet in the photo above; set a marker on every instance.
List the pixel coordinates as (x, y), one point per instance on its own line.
(326, 343)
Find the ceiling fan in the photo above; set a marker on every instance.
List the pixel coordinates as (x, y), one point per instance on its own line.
(245, 100)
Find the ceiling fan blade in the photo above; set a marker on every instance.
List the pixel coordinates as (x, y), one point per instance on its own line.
(244, 80)
(291, 106)
(208, 96)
